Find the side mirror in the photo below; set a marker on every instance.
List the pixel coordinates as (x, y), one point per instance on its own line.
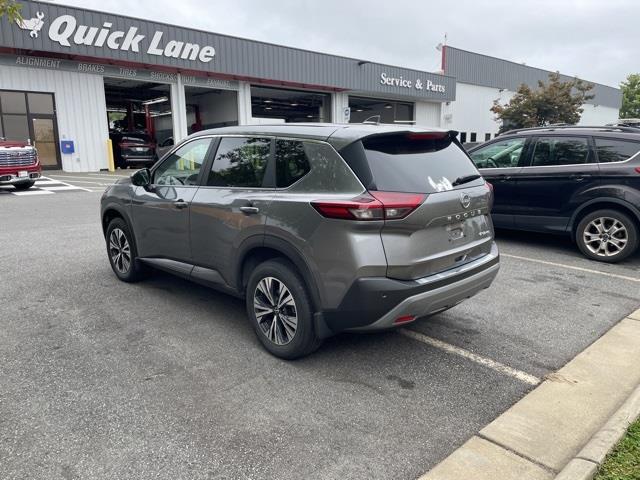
(142, 178)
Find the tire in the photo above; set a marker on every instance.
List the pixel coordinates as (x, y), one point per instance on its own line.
(24, 186)
(607, 235)
(268, 278)
(119, 240)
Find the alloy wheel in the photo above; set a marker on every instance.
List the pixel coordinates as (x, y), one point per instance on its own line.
(120, 251)
(275, 310)
(605, 236)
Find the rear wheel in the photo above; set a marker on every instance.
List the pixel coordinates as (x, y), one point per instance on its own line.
(607, 235)
(24, 186)
(280, 311)
(122, 252)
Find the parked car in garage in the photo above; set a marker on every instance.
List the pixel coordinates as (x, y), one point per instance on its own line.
(132, 149)
(570, 180)
(321, 228)
(19, 164)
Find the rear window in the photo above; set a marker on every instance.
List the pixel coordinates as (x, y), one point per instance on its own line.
(421, 163)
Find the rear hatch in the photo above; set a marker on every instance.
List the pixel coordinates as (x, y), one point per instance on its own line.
(450, 224)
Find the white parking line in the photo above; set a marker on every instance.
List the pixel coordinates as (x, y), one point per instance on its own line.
(62, 187)
(571, 267)
(93, 182)
(77, 178)
(486, 362)
(108, 175)
(33, 192)
(43, 181)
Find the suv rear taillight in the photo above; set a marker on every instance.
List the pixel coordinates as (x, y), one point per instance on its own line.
(371, 206)
(490, 188)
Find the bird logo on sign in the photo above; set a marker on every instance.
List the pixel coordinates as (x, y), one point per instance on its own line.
(34, 24)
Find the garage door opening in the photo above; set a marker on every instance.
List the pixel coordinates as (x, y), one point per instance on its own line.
(386, 111)
(272, 105)
(210, 108)
(140, 119)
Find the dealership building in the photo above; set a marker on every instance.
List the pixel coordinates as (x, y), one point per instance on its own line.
(72, 78)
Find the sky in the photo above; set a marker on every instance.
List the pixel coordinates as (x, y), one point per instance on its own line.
(597, 40)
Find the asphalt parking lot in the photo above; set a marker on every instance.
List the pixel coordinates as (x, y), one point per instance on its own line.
(165, 379)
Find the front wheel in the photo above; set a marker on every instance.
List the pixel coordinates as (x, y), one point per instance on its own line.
(607, 236)
(123, 256)
(24, 186)
(280, 311)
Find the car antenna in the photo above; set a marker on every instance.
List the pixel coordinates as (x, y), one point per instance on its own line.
(373, 119)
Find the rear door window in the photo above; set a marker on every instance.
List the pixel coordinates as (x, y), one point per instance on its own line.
(610, 150)
(554, 151)
(291, 162)
(421, 163)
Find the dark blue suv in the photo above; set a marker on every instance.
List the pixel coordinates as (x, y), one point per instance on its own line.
(578, 181)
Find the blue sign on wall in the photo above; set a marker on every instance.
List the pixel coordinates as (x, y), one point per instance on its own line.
(66, 146)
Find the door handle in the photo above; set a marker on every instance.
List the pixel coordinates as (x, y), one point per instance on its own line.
(502, 178)
(180, 204)
(578, 177)
(249, 210)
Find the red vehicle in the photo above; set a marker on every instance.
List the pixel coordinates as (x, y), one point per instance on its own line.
(19, 164)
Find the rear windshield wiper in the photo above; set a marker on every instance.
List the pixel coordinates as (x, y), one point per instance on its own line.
(466, 179)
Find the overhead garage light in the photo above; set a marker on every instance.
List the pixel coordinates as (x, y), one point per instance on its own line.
(388, 105)
(155, 100)
(268, 101)
(268, 108)
(294, 104)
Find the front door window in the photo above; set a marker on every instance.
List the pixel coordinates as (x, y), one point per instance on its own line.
(182, 167)
(501, 154)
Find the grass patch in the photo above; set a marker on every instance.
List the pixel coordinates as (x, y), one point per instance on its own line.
(623, 463)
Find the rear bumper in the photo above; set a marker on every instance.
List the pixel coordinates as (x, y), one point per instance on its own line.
(375, 303)
(139, 159)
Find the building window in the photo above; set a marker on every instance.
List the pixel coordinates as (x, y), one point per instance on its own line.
(30, 117)
(289, 105)
(388, 111)
(463, 137)
(487, 136)
(473, 137)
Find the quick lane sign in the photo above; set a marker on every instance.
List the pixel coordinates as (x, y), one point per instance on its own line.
(66, 31)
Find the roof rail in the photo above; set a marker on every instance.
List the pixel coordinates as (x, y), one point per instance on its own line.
(550, 128)
(625, 124)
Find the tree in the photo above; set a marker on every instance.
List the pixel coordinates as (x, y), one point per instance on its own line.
(631, 97)
(552, 102)
(11, 9)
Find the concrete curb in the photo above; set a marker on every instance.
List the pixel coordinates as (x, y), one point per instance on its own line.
(564, 428)
(586, 463)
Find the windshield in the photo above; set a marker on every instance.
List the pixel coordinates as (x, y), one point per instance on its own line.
(423, 163)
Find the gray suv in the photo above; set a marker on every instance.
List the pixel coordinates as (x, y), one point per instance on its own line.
(321, 228)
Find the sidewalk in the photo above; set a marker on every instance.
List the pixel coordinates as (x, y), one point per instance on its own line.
(545, 431)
